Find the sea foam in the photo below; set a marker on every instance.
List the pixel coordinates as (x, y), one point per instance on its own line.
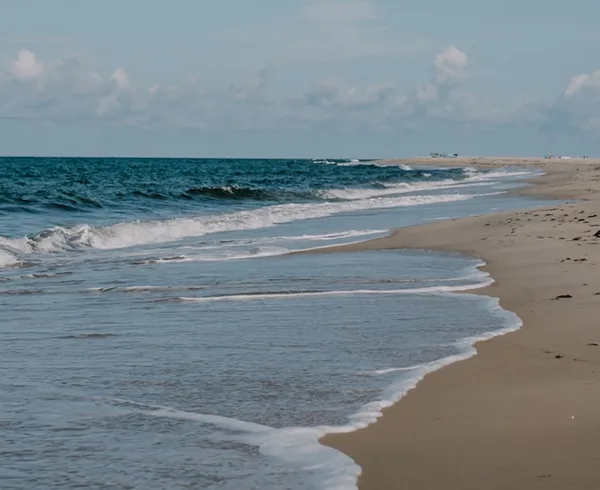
(135, 233)
(349, 292)
(7, 259)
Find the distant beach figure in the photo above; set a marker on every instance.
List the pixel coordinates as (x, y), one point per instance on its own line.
(444, 155)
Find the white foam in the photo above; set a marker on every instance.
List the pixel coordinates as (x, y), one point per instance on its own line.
(291, 238)
(259, 248)
(323, 160)
(380, 372)
(215, 420)
(225, 256)
(7, 259)
(402, 188)
(328, 236)
(353, 163)
(375, 163)
(476, 176)
(45, 275)
(354, 194)
(307, 294)
(250, 254)
(297, 446)
(129, 234)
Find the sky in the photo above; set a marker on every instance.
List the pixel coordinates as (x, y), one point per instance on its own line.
(299, 78)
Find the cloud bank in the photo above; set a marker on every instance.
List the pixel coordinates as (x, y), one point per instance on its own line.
(70, 90)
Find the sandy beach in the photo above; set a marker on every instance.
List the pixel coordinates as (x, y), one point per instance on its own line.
(522, 414)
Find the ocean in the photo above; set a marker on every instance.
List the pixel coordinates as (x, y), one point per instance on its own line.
(155, 333)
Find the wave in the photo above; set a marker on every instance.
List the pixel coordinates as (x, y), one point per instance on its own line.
(45, 275)
(329, 236)
(282, 181)
(21, 292)
(261, 192)
(130, 234)
(162, 260)
(86, 186)
(143, 289)
(297, 446)
(329, 202)
(253, 253)
(292, 238)
(474, 178)
(476, 175)
(343, 161)
(261, 247)
(234, 192)
(348, 193)
(7, 259)
(351, 194)
(331, 161)
(267, 295)
(381, 372)
(86, 336)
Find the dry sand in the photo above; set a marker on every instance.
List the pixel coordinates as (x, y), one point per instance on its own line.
(525, 412)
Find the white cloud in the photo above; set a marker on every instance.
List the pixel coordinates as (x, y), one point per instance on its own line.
(575, 85)
(441, 97)
(26, 66)
(450, 65)
(583, 83)
(330, 94)
(121, 79)
(577, 108)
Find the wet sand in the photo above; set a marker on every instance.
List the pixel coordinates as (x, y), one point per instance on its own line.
(525, 412)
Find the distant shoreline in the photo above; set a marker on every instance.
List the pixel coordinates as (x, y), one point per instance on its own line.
(484, 162)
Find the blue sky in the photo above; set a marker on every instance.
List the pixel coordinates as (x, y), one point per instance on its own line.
(307, 78)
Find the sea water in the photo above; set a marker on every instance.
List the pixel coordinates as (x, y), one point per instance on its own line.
(155, 333)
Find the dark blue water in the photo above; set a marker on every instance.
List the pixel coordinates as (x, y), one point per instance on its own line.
(155, 334)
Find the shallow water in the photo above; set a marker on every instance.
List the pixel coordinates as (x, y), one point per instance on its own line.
(166, 342)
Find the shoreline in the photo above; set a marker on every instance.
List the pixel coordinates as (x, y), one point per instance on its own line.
(521, 413)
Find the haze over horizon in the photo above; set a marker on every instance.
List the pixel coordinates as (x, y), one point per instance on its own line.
(310, 78)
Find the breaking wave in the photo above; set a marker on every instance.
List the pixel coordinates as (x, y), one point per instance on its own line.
(7, 259)
(134, 233)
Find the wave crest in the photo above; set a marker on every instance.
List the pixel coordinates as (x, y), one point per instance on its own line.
(135, 233)
(234, 192)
